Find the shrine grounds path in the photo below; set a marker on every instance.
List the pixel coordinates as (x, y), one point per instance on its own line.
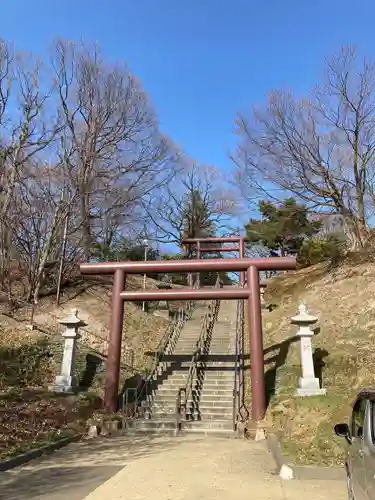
(162, 468)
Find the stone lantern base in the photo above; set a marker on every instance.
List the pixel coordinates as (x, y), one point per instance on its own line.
(310, 387)
(64, 384)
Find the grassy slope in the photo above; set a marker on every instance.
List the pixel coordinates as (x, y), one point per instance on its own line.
(343, 298)
(29, 415)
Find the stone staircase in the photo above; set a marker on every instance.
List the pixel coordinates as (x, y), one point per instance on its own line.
(171, 376)
(210, 407)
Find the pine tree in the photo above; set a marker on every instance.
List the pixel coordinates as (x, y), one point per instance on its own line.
(282, 228)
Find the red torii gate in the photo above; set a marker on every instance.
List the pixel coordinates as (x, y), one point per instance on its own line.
(240, 248)
(251, 292)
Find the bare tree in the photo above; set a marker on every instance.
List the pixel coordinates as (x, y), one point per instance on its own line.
(42, 207)
(114, 152)
(193, 205)
(27, 130)
(320, 149)
(80, 155)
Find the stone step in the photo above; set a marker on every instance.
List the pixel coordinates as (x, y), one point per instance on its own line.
(206, 381)
(224, 381)
(170, 396)
(186, 341)
(152, 424)
(213, 403)
(197, 395)
(206, 398)
(206, 426)
(205, 401)
(209, 385)
(218, 339)
(219, 374)
(212, 409)
(219, 364)
(171, 380)
(217, 391)
(220, 349)
(212, 412)
(183, 370)
(191, 330)
(172, 368)
(167, 413)
(184, 351)
(190, 342)
(212, 433)
(152, 431)
(185, 346)
(192, 333)
(206, 388)
(223, 347)
(167, 388)
(163, 413)
(213, 429)
(196, 337)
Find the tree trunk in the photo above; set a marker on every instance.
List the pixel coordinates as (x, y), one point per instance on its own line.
(356, 232)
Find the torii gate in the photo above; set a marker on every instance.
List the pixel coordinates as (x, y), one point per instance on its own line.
(250, 291)
(240, 248)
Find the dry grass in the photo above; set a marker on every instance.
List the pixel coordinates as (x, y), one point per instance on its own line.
(31, 417)
(142, 331)
(343, 298)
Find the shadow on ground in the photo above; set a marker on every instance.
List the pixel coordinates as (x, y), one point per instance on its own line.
(277, 361)
(73, 472)
(92, 366)
(319, 356)
(56, 483)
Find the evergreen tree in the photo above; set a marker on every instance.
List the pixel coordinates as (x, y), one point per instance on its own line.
(282, 228)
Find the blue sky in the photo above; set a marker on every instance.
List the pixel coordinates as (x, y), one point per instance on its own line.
(201, 60)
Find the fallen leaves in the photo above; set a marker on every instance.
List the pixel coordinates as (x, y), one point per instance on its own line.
(32, 418)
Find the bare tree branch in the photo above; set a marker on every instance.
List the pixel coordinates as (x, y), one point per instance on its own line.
(319, 149)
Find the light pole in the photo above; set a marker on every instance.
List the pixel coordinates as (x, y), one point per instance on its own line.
(145, 244)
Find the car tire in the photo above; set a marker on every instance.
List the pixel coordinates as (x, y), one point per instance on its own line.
(349, 485)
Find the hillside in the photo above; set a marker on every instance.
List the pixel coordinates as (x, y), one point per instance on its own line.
(343, 298)
(92, 299)
(29, 360)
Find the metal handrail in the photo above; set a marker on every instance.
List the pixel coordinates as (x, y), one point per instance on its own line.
(201, 350)
(142, 400)
(240, 412)
(166, 344)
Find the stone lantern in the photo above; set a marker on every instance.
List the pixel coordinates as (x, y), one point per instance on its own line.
(66, 381)
(309, 385)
